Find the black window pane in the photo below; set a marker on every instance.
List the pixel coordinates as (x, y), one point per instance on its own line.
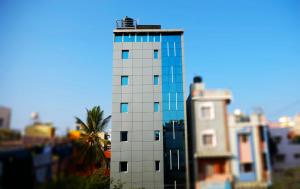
(156, 135)
(123, 166)
(124, 135)
(156, 165)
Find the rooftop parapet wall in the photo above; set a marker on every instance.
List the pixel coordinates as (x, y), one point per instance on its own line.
(245, 120)
(198, 92)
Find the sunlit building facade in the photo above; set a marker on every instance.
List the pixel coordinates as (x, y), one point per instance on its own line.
(148, 106)
(251, 161)
(208, 137)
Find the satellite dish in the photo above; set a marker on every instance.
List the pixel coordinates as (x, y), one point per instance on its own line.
(237, 112)
(34, 115)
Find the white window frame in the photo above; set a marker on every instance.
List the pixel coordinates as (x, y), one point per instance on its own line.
(209, 105)
(214, 138)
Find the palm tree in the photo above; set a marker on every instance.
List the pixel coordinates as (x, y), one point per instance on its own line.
(91, 145)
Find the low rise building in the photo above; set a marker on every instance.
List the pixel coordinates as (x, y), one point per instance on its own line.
(5, 115)
(40, 130)
(288, 146)
(209, 147)
(251, 163)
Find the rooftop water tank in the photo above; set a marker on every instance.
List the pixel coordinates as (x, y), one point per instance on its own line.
(127, 22)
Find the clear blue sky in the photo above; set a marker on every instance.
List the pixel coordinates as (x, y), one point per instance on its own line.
(56, 55)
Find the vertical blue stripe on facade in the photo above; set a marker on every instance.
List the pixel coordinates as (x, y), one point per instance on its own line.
(173, 109)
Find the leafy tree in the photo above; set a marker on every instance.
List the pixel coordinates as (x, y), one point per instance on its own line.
(91, 145)
(94, 181)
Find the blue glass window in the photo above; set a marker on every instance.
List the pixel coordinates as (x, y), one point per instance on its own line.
(155, 54)
(124, 80)
(139, 38)
(125, 54)
(124, 107)
(118, 38)
(151, 38)
(145, 38)
(156, 79)
(156, 106)
(129, 37)
(157, 38)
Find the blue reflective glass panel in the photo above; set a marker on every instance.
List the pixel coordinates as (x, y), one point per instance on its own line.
(129, 38)
(139, 38)
(151, 38)
(145, 38)
(157, 38)
(156, 106)
(180, 105)
(124, 107)
(156, 79)
(155, 54)
(124, 80)
(118, 38)
(125, 54)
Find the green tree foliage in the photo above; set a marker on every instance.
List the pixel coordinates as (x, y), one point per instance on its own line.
(91, 145)
(95, 181)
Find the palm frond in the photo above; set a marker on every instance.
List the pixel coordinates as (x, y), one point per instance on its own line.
(91, 145)
(82, 125)
(103, 124)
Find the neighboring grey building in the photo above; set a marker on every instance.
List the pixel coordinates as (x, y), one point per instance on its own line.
(208, 136)
(5, 114)
(148, 106)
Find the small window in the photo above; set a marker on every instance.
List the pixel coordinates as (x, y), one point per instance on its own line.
(1, 122)
(207, 111)
(207, 139)
(124, 107)
(246, 167)
(156, 106)
(156, 135)
(125, 54)
(244, 138)
(156, 79)
(123, 136)
(124, 80)
(157, 168)
(277, 139)
(155, 54)
(280, 158)
(123, 166)
(297, 155)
